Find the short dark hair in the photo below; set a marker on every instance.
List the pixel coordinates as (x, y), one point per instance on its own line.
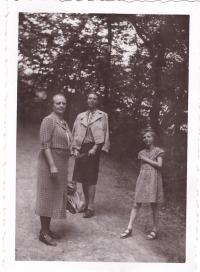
(93, 94)
(52, 98)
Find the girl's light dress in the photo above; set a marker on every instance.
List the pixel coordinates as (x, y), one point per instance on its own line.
(149, 186)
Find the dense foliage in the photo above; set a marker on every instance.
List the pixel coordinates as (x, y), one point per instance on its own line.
(137, 63)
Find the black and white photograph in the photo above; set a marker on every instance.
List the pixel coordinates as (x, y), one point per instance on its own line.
(102, 108)
(101, 164)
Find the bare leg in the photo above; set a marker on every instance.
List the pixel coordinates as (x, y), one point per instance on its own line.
(127, 233)
(85, 192)
(91, 189)
(91, 195)
(133, 215)
(155, 213)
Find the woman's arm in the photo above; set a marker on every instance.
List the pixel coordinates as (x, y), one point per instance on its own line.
(106, 145)
(93, 150)
(74, 150)
(46, 131)
(51, 163)
(98, 146)
(156, 164)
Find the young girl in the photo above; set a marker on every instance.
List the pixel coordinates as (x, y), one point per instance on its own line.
(149, 188)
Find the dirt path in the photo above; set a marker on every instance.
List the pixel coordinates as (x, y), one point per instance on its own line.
(95, 239)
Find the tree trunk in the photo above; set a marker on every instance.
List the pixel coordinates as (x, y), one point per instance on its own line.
(107, 75)
(157, 53)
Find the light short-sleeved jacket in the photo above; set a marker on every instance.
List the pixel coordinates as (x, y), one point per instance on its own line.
(99, 128)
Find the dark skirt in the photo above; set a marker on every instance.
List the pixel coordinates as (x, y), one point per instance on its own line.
(86, 167)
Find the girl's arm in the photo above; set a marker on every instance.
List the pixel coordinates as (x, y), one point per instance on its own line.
(156, 164)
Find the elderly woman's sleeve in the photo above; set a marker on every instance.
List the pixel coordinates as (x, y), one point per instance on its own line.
(46, 131)
(106, 146)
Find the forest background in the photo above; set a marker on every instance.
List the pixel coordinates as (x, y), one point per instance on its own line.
(138, 64)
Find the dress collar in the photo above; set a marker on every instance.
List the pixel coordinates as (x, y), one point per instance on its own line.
(62, 123)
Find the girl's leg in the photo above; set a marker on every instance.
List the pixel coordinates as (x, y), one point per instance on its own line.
(133, 215)
(134, 212)
(155, 213)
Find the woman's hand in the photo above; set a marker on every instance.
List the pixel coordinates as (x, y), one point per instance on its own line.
(93, 150)
(53, 169)
(76, 153)
(53, 172)
(143, 158)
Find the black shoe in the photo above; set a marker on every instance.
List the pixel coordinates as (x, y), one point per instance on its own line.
(89, 213)
(46, 239)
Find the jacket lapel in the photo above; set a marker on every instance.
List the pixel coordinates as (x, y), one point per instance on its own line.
(97, 115)
(84, 118)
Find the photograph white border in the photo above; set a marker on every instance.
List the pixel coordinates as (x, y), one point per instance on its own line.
(9, 106)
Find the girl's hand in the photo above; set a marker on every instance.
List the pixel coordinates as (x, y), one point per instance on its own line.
(143, 158)
(54, 172)
(157, 164)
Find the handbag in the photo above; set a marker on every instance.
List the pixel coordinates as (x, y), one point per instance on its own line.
(71, 187)
(74, 200)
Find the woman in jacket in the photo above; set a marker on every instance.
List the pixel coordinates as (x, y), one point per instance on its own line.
(90, 136)
(53, 158)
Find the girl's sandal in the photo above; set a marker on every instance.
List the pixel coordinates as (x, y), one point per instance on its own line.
(127, 233)
(152, 235)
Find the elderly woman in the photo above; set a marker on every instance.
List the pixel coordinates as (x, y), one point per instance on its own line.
(55, 138)
(90, 136)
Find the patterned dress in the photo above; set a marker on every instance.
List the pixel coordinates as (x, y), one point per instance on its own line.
(51, 197)
(149, 187)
